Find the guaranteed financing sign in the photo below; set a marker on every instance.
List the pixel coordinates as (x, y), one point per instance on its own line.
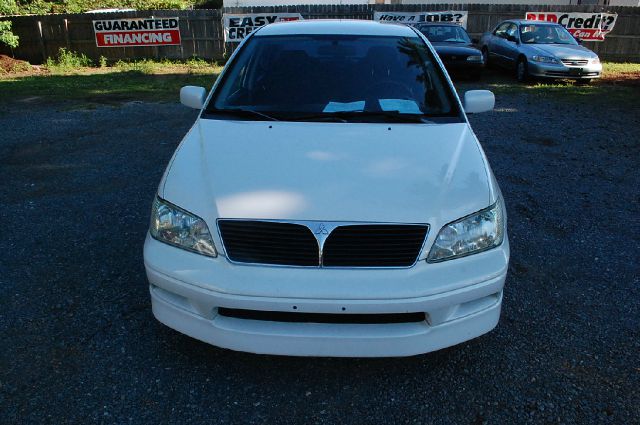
(413, 18)
(237, 27)
(585, 26)
(137, 32)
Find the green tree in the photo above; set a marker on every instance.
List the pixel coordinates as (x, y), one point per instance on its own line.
(8, 7)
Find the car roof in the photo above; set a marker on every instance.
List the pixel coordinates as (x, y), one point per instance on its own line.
(336, 26)
(438, 24)
(529, 21)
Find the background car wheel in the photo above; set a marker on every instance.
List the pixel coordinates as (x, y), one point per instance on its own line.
(485, 56)
(522, 72)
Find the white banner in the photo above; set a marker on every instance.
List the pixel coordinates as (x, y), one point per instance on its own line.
(137, 32)
(237, 27)
(413, 18)
(585, 26)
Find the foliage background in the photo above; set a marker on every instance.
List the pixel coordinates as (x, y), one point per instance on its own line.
(8, 7)
(41, 7)
(78, 6)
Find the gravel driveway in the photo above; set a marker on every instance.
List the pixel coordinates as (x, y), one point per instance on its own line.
(79, 343)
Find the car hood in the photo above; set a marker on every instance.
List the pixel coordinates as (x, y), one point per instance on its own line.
(564, 51)
(407, 173)
(455, 49)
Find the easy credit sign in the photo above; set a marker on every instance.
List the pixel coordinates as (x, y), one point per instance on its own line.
(137, 32)
(237, 27)
(585, 26)
(413, 18)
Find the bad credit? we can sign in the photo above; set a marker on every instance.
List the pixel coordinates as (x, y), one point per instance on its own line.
(137, 32)
(585, 26)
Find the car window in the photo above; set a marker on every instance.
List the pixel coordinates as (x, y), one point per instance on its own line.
(545, 34)
(512, 30)
(445, 33)
(288, 77)
(501, 30)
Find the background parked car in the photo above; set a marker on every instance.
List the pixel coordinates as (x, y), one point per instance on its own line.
(539, 49)
(455, 48)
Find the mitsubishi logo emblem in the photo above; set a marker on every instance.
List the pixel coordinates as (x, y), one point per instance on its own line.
(321, 230)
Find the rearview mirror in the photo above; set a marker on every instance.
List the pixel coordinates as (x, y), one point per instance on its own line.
(193, 96)
(476, 101)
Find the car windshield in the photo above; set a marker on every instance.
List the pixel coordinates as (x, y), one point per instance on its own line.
(545, 34)
(445, 33)
(339, 77)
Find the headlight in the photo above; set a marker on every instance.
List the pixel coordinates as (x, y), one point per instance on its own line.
(477, 232)
(546, 59)
(474, 58)
(595, 60)
(177, 227)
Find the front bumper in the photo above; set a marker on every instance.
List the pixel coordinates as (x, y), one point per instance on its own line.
(550, 70)
(461, 298)
(463, 66)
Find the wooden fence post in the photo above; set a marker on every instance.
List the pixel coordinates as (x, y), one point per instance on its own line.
(66, 34)
(43, 49)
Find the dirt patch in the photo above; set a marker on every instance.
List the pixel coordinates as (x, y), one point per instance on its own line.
(630, 78)
(9, 65)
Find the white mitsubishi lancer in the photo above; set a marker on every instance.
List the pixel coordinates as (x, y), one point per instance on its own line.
(331, 199)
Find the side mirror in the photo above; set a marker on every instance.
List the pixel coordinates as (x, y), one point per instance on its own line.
(193, 96)
(512, 38)
(476, 101)
(578, 40)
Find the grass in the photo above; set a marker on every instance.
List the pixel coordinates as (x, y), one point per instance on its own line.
(620, 84)
(74, 77)
(67, 61)
(621, 72)
(70, 78)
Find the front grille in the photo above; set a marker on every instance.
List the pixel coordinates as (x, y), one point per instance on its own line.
(291, 317)
(373, 246)
(347, 245)
(575, 62)
(267, 242)
(453, 58)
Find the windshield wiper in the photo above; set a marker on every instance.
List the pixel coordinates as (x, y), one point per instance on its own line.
(241, 113)
(357, 116)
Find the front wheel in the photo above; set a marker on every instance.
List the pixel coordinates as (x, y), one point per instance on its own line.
(485, 56)
(522, 71)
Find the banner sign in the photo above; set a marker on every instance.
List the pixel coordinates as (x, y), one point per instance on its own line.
(413, 18)
(137, 32)
(585, 26)
(237, 27)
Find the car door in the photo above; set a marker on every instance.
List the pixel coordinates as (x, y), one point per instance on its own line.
(511, 45)
(497, 44)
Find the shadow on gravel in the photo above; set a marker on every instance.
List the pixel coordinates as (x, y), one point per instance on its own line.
(80, 344)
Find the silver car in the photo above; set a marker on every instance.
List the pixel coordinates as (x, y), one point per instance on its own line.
(539, 49)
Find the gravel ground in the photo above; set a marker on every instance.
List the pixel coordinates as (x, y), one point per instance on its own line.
(80, 345)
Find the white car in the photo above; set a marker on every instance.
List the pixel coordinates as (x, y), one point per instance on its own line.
(331, 199)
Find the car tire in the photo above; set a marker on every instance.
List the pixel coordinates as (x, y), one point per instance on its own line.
(522, 71)
(485, 57)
